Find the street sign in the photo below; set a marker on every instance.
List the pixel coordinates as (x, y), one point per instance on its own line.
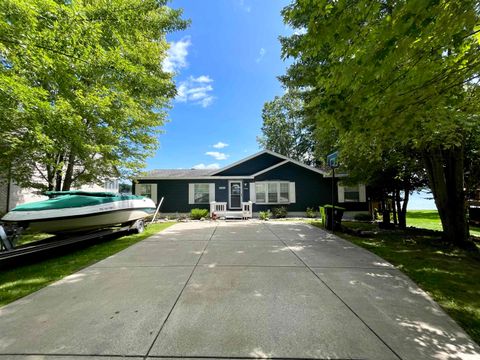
(332, 160)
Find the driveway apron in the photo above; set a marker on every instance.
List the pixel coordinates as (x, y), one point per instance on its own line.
(234, 290)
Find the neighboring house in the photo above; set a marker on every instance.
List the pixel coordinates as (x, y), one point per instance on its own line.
(267, 179)
(12, 195)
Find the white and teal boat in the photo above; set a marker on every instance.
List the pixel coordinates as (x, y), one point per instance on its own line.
(76, 211)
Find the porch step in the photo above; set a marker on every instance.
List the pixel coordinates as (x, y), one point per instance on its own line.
(233, 215)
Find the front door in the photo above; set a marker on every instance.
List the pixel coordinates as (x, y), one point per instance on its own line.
(235, 191)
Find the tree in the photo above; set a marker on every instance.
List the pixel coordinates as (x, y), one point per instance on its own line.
(285, 130)
(84, 93)
(388, 74)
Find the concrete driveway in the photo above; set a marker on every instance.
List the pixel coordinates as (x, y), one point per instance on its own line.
(234, 290)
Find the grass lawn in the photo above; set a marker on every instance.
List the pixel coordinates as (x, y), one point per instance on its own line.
(429, 219)
(21, 281)
(451, 276)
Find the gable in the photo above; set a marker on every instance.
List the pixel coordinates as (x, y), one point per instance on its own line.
(250, 166)
(289, 171)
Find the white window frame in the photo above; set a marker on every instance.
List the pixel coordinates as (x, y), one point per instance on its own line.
(361, 193)
(191, 193)
(278, 202)
(140, 190)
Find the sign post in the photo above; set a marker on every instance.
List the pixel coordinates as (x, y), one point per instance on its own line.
(333, 163)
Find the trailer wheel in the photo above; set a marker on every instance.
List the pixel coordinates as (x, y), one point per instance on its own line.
(139, 227)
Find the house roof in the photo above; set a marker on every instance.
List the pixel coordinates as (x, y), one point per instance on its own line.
(177, 173)
(207, 173)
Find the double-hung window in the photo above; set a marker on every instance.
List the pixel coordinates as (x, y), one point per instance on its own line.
(201, 193)
(272, 192)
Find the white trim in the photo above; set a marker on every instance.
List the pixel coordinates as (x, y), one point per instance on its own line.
(191, 193)
(292, 198)
(271, 168)
(211, 190)
(239, 162)
(253, 193)
(229, 195)
(277, 182)
(193, 177)
(273, 154)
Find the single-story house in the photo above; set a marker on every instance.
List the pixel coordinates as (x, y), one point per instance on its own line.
(266, 179)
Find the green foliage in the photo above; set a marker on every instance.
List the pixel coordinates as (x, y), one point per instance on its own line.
(363, 217)
(379, 78)
(279, 212)
(265, 215)
(197, 214)
(310, 213)
(79, 100)
(285, 130)
(21, 281)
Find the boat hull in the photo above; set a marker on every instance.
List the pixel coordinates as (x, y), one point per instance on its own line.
(89, 222)
(77, 219)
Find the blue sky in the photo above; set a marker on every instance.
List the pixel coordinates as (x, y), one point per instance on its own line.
(227, 62)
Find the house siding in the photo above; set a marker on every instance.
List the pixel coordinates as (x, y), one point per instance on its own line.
(311, 188)
(252, 166)
(175, 193)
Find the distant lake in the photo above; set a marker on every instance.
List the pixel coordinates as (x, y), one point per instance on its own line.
(422, 200)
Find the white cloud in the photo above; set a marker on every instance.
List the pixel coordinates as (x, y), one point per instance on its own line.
(220, 145)
(196, 90)
(261, 54)
(209, 166)
(244, 6)
(177, 55)
(217, 155)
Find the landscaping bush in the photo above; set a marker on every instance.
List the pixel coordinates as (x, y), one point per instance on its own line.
(311, 213)
(363, 217)
(197, 214)
(279, 212)
(265, 215)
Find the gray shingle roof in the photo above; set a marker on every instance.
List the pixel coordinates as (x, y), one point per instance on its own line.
(177, 173)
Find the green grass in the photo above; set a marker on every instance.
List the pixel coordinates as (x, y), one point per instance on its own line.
(21, 281)
(429, 219)
(451, 276)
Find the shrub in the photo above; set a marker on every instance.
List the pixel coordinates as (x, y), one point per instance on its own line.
(311, 213)
(363, 217)
(264, 215)
(197, 214)
(279, 212)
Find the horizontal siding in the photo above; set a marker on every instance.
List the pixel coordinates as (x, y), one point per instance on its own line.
(252, 166)
(175, 193)
(311, 188)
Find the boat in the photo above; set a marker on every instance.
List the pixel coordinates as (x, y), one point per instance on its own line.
(79, 211)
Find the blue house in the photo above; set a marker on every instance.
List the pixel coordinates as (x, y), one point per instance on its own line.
(262, 181)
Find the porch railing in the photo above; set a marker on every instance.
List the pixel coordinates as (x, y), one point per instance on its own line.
(220, 210)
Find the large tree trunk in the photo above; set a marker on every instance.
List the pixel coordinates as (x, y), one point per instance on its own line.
(445, 173)
(68, 180)
(59, 173)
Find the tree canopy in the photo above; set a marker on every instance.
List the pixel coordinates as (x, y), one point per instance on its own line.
(285, 130)
(393, 75)
(83, 89)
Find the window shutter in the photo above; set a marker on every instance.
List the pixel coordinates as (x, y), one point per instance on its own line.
(154, 193)
(191, 193)
(253, 197)
(291, 193)
(362, 193)
(212, 192)
(341, 194)
(138, 189)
